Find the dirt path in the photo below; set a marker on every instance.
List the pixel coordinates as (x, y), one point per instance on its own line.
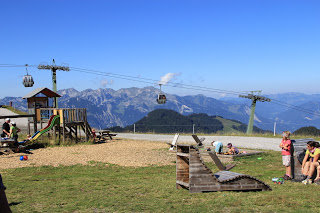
(122, 152)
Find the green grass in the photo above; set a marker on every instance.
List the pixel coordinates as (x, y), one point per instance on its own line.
(227, 129)
(102, 187)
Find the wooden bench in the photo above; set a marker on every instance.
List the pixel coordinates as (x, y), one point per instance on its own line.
(7, 145)
(103, 135)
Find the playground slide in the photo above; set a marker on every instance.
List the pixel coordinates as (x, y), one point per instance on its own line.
(54, 119)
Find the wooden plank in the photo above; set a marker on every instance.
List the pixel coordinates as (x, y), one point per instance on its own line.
(197, 140)
(182, 183)
(230, 166)
(183, 154)
(226, 187)
(205, 180)
(217, 161)
(182, 175)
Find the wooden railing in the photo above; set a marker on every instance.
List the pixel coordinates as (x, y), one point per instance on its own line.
(67, 115)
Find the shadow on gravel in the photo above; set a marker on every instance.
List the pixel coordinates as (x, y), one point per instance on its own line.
(35, 146)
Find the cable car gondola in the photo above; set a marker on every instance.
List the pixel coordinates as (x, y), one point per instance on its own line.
(27, 80)
(161, 97)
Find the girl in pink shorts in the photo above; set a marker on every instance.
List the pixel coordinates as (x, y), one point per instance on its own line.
(285, 145)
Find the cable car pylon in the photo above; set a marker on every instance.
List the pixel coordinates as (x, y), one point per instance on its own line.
(254, 99)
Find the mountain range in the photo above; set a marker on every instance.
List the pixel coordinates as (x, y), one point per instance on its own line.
(107, 107)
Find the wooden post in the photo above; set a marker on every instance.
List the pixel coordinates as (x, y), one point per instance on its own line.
(29, 127)
(76, 133)
(54, 133)
(41, 126)
(85, 124)
(35, 116)
(64, 125)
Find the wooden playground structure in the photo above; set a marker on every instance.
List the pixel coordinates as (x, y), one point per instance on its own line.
(193, 174)
(72, 122)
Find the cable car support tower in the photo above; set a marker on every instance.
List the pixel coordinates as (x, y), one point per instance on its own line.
(53, 69)
(254, 99)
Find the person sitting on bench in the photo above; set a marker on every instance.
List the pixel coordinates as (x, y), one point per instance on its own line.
(310, 161)
(232, 149)
(218, 146)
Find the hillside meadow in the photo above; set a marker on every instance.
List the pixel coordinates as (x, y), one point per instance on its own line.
(107, 186)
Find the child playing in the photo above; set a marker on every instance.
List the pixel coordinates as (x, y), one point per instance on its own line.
(28, 137)
(232, 149)
(285, 145)
(94, 134)
(218, 146)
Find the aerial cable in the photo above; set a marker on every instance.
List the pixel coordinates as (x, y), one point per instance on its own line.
(184, 86)
(298, 109)
(295, 107)
(155, 81)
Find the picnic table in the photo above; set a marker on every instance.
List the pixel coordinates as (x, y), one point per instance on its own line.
(7, 145)
(104, 135)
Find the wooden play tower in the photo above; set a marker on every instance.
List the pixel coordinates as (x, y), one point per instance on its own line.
(73, 121)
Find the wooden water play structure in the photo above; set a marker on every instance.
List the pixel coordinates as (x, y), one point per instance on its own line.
(193, 174)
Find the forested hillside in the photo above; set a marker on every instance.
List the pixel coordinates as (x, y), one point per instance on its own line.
(169, 121)
(310, 130)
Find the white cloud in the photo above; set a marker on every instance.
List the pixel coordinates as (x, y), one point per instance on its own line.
(169, 76)
(105, 82)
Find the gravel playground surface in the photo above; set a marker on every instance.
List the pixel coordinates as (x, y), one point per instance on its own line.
(118, 151)
(125, 150)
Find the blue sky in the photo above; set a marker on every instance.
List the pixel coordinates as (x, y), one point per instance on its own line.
(234, 45)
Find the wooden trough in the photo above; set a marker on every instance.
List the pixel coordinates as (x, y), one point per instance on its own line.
(193, 174)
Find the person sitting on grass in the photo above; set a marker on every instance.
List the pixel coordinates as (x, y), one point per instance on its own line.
(218, 146)
(310, 161)
(232, 149)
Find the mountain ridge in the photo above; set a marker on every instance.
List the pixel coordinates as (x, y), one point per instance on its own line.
(107, 107)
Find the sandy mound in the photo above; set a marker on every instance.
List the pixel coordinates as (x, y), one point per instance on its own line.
(121, 152)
